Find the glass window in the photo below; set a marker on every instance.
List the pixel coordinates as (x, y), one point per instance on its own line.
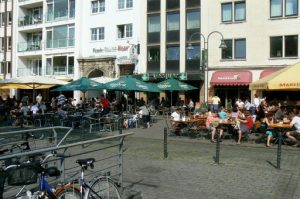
(173, 53)
(193, 20)
(276, 46)
(172, 21)
(129, 4)
(71, 36)
(153, 5)
(154, 54)
(291, 7)
(193, 53)
(154, 23)
(70, 65)
(94, 34)
(48, 66)
(101, 33)
(240, 48)
(50, 12)
(124, 30)
(60, 8)
(129, 30)
(226, 12)
(59, 36)
(227, 52)
(121, 4)
(276, 8)
(173, 4)
(49, 39)
(291, 46)
(60, 65)
(192, 3)
(94, 6)
(72, 8)
(239, 11)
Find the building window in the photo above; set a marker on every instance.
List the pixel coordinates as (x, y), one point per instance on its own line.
(239, 11)
(172, 58)
(97, 34)
(98, 6)
(173, 32)
(153, 59)
(226, 12)
(192, 3)
(122, 4)
(291, 7)
(153, 5)
(192, 25)
(290, 44)
(60, 9)
(60, 65)
(60, 36)
(193, 58)
(236, 51)
(276, 46)
(173, 4)
(9, 43)
(153, 29)
(124, 31)
(240, 49)
(276, 8)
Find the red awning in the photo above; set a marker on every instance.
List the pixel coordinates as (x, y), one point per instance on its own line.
(268, 71)
(231, 78)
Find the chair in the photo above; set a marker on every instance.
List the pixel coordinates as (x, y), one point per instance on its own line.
(153, 116)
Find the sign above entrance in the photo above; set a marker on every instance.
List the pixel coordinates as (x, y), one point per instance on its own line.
(232, 78)
(107, 49)
(157, 76)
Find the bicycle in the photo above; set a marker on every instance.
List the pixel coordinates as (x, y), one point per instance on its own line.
(27, 173)
(102, 187)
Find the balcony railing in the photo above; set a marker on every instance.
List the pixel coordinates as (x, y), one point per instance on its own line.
(60, 43)
(28, 71)
(29, 46)
(59, 16)
(59, 70)
(30, 20)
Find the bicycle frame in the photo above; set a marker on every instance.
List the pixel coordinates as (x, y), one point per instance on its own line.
(86, 186)
(44, 186)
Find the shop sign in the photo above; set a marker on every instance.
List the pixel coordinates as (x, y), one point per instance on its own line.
(156, 76)
(107, 49)
(233, 77)
(287, 85)
(126, 69)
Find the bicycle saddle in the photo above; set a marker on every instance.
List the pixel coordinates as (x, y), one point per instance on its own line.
(86, 162)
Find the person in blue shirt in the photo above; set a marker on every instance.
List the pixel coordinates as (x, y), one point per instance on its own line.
(222, 114)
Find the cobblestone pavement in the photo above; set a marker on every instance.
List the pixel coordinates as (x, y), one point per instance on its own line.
(246, 171)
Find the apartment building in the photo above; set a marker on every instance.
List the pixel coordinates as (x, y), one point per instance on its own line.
(68, 39)
(6, 24)
(170, 44)
(261, 37)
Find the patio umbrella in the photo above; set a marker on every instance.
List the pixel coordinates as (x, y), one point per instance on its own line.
(129, 83)
(174, 85)
(30, 82)
(83, 84)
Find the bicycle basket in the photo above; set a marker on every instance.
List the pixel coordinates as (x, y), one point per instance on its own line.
(22, 175)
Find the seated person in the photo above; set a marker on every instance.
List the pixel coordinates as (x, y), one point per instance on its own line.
(145, 114)
(245, 124)
(269, 131)
(295, 135)
(211, 124)
(34, 108)
(222, 114)
(175, 116)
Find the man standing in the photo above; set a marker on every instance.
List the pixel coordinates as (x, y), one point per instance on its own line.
(61, 99)
(105, 104)
(39, 98)
(216, 101)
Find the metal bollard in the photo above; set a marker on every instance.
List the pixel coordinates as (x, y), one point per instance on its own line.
(217, 160)
(120, 125)
(165, 143)
(279, 149)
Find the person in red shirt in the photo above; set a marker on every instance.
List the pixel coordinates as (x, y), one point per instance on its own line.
(245, 125)
(105, 104)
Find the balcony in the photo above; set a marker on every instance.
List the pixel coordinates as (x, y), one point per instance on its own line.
(60, 15)
(60, 43)
(60, 70)
(29, 46)
(29, 71)
(29, 20)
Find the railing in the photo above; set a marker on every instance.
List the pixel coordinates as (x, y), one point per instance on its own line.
(102, 149)
(29, 71)
(29, 46)
(30, 20)
(60, 43)
(60, 16)
(59, 70)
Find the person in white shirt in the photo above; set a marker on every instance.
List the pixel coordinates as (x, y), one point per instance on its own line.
(34, 108)
(191, 105)
(145, 113)
(295, 135)
(240, 103)
(39, 98)
(256, 101)
(175, 116)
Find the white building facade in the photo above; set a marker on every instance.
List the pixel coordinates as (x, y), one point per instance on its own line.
(68, 39)
(6, 48)
(261, 37)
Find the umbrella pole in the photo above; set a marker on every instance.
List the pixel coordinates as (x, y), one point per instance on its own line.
(33, 93)
(171, 98)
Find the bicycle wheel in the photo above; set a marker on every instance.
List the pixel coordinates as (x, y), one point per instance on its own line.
(68, 192)
(103, 188)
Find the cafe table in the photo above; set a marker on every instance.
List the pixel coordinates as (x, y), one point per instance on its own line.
(280, 128)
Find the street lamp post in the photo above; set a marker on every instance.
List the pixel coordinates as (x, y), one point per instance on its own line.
(222, 46)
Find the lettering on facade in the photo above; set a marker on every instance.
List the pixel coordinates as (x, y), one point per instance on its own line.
(118, 48)
(234, 77)
(296, 84)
